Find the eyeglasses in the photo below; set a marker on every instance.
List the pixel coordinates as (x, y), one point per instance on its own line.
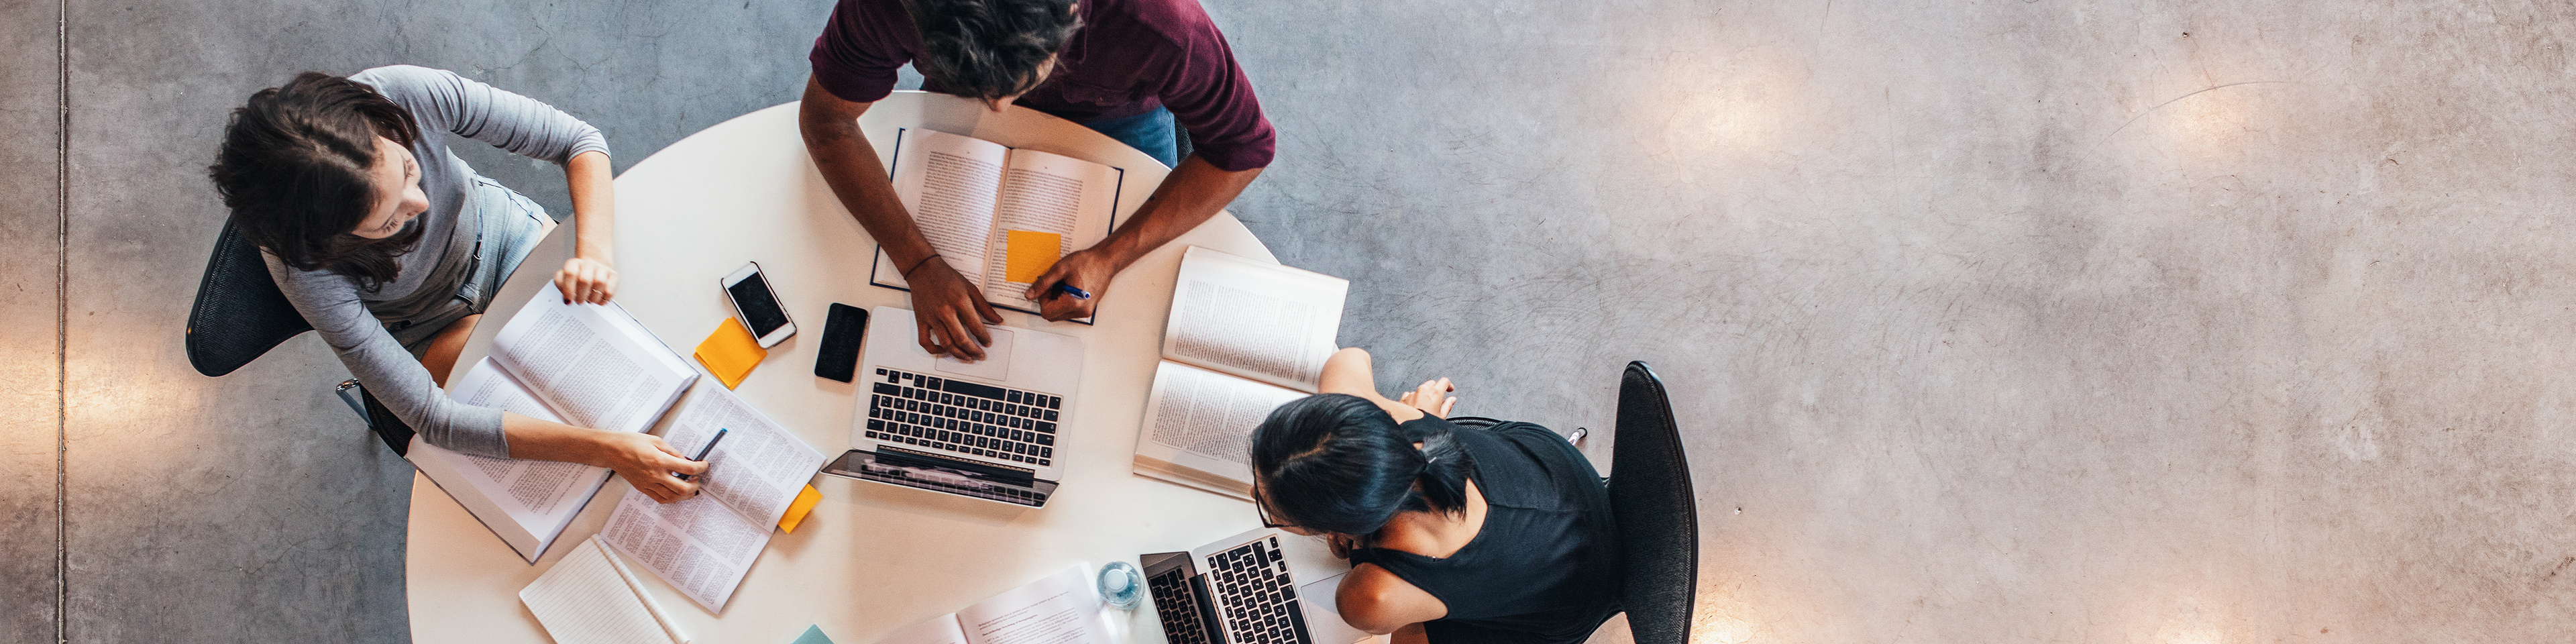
(1263, 508)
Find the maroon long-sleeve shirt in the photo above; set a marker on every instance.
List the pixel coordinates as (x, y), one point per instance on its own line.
(1130, 57)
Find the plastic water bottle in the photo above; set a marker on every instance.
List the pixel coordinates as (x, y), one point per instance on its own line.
(1122, 586)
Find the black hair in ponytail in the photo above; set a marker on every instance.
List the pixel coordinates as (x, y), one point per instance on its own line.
(1338, 463)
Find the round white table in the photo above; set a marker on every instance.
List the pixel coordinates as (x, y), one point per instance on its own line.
(871, 557)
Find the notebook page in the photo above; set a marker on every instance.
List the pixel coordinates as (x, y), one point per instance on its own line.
(949, 184)
(1261, 321)
(698, 545)
(1060, 609)
(1046, 193)
(760, 466)
(583, 600)
(587, 366)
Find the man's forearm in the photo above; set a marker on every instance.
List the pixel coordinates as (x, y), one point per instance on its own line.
(849, 165)
(1193, 193)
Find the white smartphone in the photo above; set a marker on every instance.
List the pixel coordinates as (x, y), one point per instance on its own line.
(757, 306)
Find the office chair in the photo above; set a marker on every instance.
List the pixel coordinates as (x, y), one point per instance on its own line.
(1650, 496)
(240, 314)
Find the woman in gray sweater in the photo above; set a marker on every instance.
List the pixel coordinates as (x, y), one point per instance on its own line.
(392, 247)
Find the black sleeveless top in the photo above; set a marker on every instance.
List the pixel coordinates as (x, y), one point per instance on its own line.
(1544, 567)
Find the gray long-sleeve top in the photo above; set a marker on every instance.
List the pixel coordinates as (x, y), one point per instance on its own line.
(445, 105)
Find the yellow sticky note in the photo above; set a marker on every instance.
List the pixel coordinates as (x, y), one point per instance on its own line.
(796, 511)
(1031, 254)
(731, 352)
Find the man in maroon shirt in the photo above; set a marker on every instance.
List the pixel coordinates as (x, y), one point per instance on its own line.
(1128, 68)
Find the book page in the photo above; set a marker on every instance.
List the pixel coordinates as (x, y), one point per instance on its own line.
(591, 363)
(539, 491)
(582, 600)
(1060, 609)
(1203, 420)
(525, 503)
(1252, 319)
(937, 630)
(698, 545)
(759, 467)
(949, 184)
(1058, 195)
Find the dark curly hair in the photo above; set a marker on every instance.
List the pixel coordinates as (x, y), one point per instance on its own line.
(294, 169)
(988, 49)
(1338, 463)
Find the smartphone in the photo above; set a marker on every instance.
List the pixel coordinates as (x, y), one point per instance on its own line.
(842, 333)
(757, 306)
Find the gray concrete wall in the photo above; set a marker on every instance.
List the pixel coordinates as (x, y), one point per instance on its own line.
(1989, 321)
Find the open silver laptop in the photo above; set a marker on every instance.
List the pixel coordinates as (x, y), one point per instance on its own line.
(985, 430)
(1259, 587)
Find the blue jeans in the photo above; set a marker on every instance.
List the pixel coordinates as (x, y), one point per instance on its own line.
(1150, 133)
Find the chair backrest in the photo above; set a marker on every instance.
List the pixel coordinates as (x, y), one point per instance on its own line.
(1650, 496)
(239, 314)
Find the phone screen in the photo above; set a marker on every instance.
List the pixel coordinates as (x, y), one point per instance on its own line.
(759, 308)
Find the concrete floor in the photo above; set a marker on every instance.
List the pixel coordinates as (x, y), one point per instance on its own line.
(2174, 322)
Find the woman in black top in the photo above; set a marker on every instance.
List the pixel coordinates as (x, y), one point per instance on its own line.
(1499, 534)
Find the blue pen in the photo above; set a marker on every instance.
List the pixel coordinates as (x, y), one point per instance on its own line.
(1068, 289)
(711, 446)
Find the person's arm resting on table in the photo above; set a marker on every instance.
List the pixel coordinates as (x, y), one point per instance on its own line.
(949, 310)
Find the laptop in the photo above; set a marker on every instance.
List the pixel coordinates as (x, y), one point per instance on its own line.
(987, 430)
(1259, 587)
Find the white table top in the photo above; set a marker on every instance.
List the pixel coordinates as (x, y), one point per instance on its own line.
(872, 557)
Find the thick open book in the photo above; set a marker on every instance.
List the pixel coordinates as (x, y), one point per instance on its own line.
(704, 545)
(1243, 338)
(1000, 216)
(589, 597)
(589, 365)
(1060, 609)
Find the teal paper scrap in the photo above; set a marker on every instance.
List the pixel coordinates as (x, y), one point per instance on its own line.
(813, 635)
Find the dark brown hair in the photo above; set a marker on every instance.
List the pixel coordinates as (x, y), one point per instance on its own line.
(988, 49)
(294, 170)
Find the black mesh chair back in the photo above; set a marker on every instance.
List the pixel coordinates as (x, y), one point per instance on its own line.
(1650, 494)
(239, 314)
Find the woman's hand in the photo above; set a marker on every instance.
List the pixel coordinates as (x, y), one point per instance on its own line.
(1089, 269)
(648, 464)
(1432, 397)
(586, 281)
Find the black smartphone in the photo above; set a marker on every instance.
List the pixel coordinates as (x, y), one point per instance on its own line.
(842, 332)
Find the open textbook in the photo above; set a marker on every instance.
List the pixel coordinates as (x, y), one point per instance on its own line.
(1060, 609)
(1000, 216)
(589, 365)
(704, 545)
(1244, 337)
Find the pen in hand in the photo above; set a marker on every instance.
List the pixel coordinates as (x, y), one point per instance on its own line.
(1068, 289)
(702, 453)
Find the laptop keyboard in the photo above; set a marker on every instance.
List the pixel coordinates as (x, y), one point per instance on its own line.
(963, 417)
(1175, 607)
(1254, 596)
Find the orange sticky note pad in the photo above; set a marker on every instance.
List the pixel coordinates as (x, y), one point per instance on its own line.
(796, 511)
(1030, 254)
(731, 352)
